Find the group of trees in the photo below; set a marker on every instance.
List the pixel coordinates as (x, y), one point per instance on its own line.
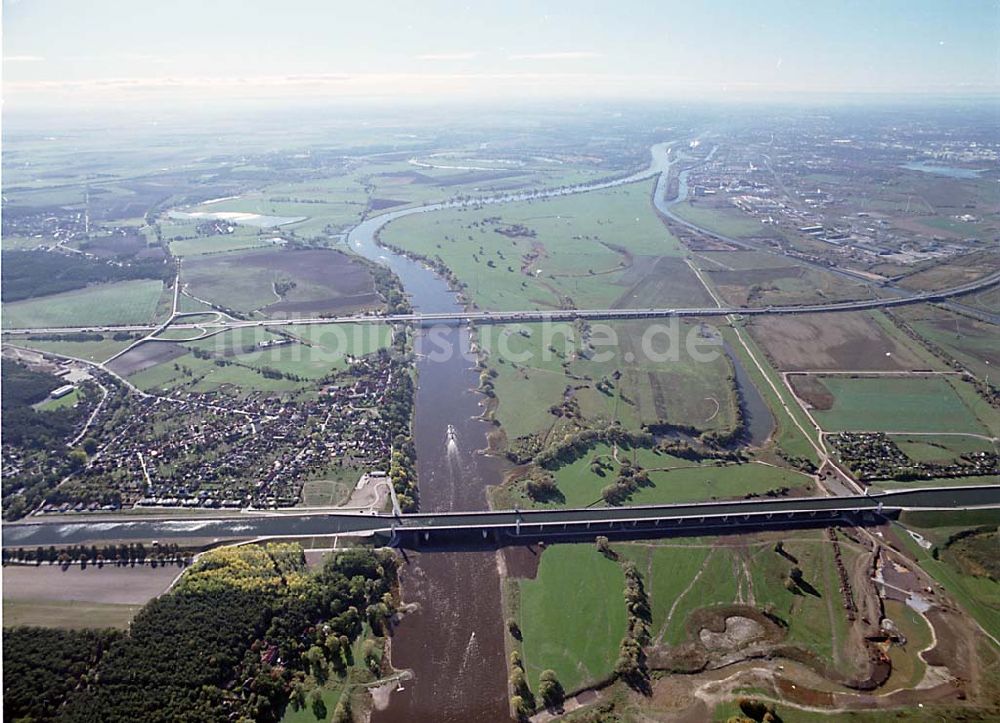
(523, 700)
(755, 710)
(23, 425)
(233, 641)
(631, 663)
(121, 555)
(29, 274)
(630, 479)
(388, 286)
(543, 488)
(575, 446)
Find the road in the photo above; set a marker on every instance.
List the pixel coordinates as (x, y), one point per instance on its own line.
(506, 525)
(530, 316)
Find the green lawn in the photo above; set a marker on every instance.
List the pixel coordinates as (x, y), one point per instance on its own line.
(69, 400)
(333, 489)
(572, 616)
(896, 404)
(940, 448)
(121, 302)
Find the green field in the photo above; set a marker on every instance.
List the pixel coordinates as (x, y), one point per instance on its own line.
(599, 249)
(572, 616)
(674, 480)
(725, 220)
(940, 449)
(121, 302)
(685, 576)
(67, 614)
(218, 244)
(975, 344)
(63, 402)
(896, 404)
(95, 351)
(531, 378)
(318, 351)
(227, 281)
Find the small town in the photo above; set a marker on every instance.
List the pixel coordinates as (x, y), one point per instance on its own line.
(208, 450)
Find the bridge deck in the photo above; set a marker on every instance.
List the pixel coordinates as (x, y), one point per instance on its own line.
(743, 513)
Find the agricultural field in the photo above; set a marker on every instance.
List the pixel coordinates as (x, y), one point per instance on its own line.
(578, 641)
(953, 271)
(671, 479)
(94, 351)
(281, 282)
(725, 220)
(783, 285)
(850, 341)
(940, 449)
(974, 343)
(122, 302)
(602, 382)
(889, 404)
(600, 249)
(301, 355)
(48, 596)
(239, 240)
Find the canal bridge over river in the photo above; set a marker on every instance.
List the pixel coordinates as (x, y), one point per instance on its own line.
(442, 530)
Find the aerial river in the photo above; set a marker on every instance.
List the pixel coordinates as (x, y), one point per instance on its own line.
(454, 642)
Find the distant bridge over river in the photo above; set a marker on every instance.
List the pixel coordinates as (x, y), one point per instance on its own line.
(446, 529)
(535, 316)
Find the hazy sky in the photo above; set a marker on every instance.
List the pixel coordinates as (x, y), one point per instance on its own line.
(123, 50)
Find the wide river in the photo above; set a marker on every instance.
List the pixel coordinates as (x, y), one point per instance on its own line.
(454, 643)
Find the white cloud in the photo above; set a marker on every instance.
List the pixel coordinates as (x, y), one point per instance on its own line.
(560, 55)
(22, 58)
(446, 56)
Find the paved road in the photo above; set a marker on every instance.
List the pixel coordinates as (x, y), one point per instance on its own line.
(506, 317)
(653, 519)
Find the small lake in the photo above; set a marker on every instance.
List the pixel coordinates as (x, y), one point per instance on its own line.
(948, 171)
(238, 217)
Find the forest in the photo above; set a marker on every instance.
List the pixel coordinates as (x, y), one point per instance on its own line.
(28, 274)
(23, 425)
(42, 666)
(233, 640)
